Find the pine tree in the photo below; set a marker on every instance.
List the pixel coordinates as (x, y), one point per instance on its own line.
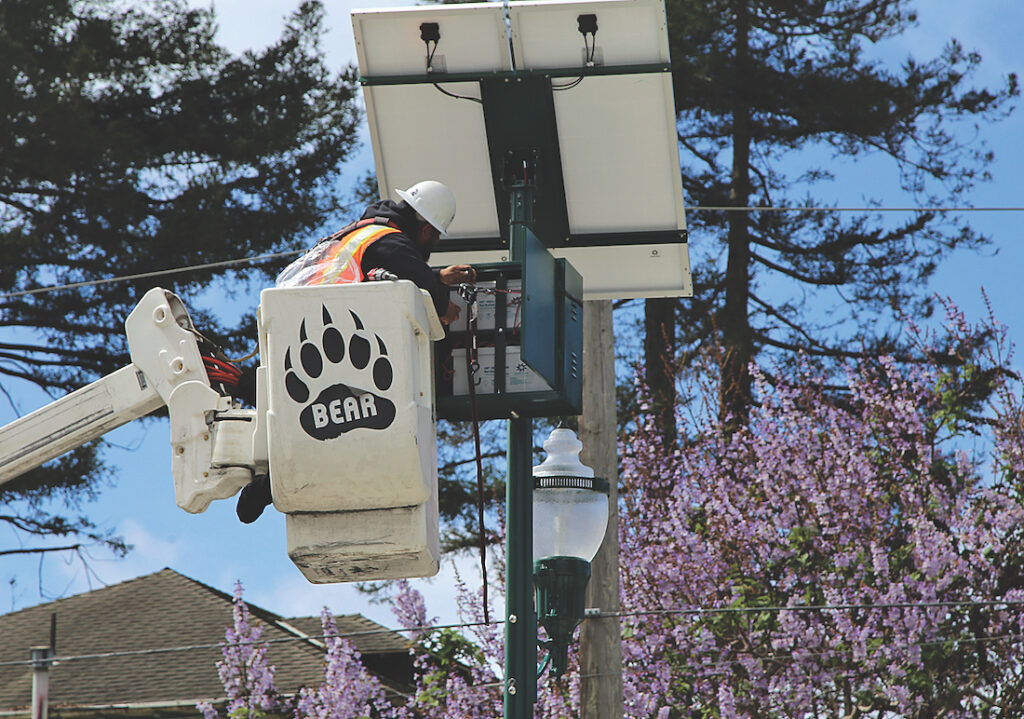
(773, 96)
(131, 142)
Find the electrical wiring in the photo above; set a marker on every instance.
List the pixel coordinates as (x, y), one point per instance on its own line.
(743, 657)
(592, 616)
(588, 53)
(469, 294)
(278, 255)
(515, 301)
(725, 666)
(218, 645)
(771, 208)
(154, 273)
(518, 302)
(494, 291)
(721, 664)
(222, 372)
(722, 667)
(568, 86)
(430, 68)
(458, 97)
(808, 608)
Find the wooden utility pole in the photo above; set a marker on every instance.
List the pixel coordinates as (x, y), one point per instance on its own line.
(600, 639)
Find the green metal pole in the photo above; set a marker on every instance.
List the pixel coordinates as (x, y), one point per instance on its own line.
(520, 616)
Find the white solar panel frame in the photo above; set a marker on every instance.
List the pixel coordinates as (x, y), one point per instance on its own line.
(616, 133)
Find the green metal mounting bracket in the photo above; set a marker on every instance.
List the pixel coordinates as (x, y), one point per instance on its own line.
(446, 77)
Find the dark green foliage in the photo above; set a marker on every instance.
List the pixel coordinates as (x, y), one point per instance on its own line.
(27, 503)
(132, 142)
(446, 653)
(457, 481)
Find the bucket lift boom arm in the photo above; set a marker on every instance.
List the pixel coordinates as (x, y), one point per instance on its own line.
(211, 438)
(73, 420)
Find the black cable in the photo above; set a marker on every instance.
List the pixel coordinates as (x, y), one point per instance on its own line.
(588, 61)
(430, 61)
(458, 97)
(292, 253)
(807, 607)
(430, 54)
(569, 86)
(471, 359)
(463, 625)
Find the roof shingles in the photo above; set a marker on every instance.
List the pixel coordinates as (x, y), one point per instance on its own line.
(160, 611)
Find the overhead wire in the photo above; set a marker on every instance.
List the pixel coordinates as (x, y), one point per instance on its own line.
(809, 608)
(720, 663)
(725, 664)
(291, 253)
(772, 208)
(257, 642)
(154, 273)
(427, 629)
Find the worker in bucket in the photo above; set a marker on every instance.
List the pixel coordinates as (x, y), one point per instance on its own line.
(392, 240)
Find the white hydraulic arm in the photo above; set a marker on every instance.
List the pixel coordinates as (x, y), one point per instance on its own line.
(70, 422)
(360, 388)
(211, 438)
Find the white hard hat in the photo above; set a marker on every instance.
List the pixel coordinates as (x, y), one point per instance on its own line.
(434, 202)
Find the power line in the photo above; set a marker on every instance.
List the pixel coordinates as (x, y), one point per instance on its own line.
(692, 208)
(719, 663)
(257, 642)
(427, 629)
(155, 273)
(771, 208)
(805, 608)
(724, 665)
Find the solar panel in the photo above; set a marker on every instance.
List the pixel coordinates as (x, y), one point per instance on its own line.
(598, 106)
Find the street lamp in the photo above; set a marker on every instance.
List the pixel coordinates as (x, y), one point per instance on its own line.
(570, 512)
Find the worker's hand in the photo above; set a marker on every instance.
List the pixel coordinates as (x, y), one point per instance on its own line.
(452, 314)
(455, 274)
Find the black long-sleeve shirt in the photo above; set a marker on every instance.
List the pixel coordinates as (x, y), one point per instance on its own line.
(398, 253)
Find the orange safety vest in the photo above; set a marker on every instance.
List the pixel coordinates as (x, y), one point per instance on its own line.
(340, 262)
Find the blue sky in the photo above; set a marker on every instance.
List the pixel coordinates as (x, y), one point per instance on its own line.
(215, 548)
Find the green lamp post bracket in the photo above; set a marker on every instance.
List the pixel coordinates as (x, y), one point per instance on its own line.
(439, 77)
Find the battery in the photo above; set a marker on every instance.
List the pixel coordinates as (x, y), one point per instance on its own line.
(485, 307)
(518, 375)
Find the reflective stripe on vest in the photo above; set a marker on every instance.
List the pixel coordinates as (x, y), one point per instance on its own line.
(341, 263)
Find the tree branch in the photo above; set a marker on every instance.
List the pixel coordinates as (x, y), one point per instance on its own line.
(41, 550)
(790, 272)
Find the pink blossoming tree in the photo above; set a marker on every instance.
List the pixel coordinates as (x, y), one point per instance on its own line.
(877, 497)
(348, 690)
(243, 669)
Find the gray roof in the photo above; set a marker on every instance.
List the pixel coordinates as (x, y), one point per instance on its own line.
(368, 636)
(151, 614)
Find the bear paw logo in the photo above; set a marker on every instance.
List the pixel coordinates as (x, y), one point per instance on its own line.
(339, 407)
